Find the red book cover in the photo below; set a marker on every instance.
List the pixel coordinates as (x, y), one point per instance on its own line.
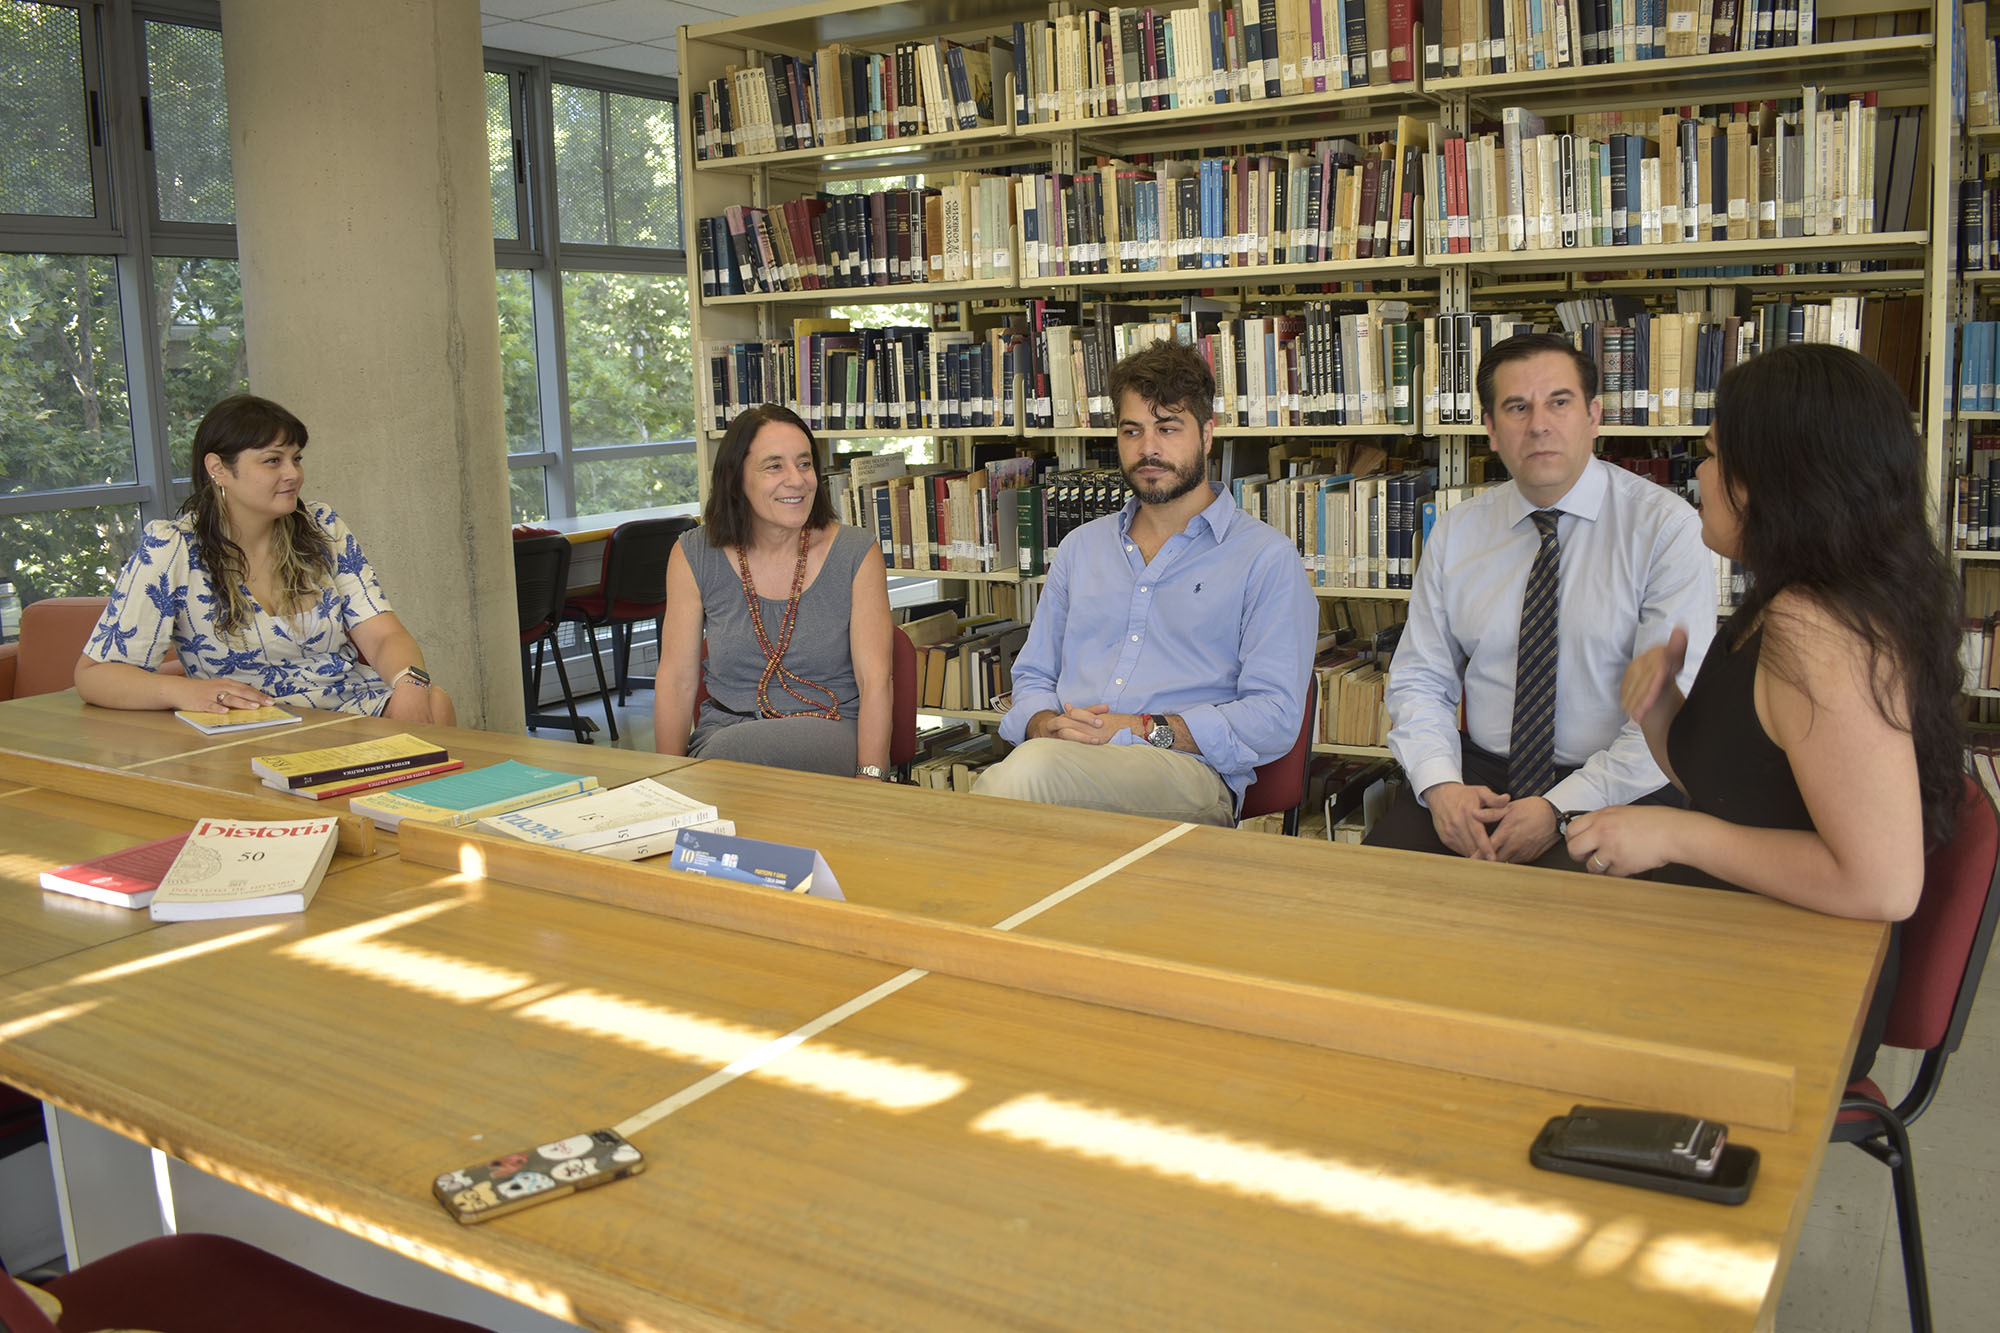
(330, 789)
(1402, 19)
(1456, 184)
(124, 878)
(1371, 185)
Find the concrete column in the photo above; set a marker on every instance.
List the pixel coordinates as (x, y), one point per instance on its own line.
(358, 139)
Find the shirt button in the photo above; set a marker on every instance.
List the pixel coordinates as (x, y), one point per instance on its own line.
(1135, 638)
(1119, 681)
(1128, 546)
(1144, 588)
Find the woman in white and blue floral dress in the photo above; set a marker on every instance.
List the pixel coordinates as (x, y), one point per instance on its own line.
(260, 597)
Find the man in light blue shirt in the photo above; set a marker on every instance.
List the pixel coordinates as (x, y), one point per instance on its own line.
(1171, 648)
(1632, 567)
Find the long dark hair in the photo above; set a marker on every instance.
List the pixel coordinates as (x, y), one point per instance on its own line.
(726, 515)
(303, 556)
(1827, 472)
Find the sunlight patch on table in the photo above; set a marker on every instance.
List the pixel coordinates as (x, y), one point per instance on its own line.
(1709, 1267)
(180, 955)
(1366, 1192)
(890, 1084)
(21, 1027)
(359, 950)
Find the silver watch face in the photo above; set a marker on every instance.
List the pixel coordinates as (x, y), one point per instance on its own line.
(1162, 735)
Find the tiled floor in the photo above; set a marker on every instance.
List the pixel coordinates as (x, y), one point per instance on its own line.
(1847, 1276)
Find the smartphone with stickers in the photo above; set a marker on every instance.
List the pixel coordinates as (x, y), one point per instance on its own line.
(517, 1180)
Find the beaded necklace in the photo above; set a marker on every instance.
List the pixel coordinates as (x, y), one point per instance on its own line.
(774, 656)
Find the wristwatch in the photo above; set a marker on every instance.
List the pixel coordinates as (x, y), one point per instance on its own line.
(415, 673)
(870, 771)
(1161, 734)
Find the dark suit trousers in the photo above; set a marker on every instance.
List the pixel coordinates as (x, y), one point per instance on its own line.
(1407, 824)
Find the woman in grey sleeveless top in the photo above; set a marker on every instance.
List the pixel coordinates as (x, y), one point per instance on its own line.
(795, 611)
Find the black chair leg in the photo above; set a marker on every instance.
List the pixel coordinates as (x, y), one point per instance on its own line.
(528, 687)
(590, 637)
(577, 724)
(1916, 1280)
(1292, 820)
(621, 644)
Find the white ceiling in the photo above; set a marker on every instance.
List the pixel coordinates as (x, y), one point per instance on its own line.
(620, 34)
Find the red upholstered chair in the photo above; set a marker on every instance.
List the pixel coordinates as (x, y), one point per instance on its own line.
(209, 1284)
(1281, 784)
(53, 633)
(634, 588)
(1944, 950)
(903, 704)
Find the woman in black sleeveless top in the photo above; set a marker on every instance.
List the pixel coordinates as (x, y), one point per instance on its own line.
(1821, 747)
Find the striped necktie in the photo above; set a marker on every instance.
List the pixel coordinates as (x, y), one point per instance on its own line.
(1531, 758)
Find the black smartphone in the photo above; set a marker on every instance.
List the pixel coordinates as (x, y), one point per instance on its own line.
(1656, 1150)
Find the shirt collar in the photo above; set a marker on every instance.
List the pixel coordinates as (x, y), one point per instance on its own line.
(1584, 499)
(1219, 514)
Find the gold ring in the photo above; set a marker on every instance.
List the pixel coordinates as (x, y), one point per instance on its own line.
(220, 695)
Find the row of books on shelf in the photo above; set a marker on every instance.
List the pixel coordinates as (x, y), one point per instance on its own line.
(1842, 170)
(1476, 37)
(1322, 202)
(935, 517)
(1975, 517)
(954, 760)
(1129, 60)
(1325, 364)
(966, 663)
(1352, 531)
(841, 94)
(1662, 369)
(1813, 166)
(1979, 217)
(957, 230)
(1351, 711)
(1329, 364)
(1978, 365)
(1332, 200)
(1977, 655)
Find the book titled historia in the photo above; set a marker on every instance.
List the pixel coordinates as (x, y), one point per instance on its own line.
(246, 867)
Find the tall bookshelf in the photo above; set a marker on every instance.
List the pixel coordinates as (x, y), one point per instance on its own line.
(1906, 60)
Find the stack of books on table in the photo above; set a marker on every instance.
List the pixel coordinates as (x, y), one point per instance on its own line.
(342, 770)
(246, 867)
(221, 868)
(464, 798)
(629, 823)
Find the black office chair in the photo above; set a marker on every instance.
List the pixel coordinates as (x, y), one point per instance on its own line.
(634, 589)
(541, 586)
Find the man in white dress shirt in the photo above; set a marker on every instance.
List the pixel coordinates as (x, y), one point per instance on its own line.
(1631, 567)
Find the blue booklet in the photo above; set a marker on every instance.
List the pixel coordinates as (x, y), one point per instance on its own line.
(748, 861)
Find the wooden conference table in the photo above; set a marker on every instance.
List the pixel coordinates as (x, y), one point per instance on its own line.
(1299, 1095)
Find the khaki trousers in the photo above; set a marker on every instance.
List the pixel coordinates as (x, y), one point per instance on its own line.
(1123, 779)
